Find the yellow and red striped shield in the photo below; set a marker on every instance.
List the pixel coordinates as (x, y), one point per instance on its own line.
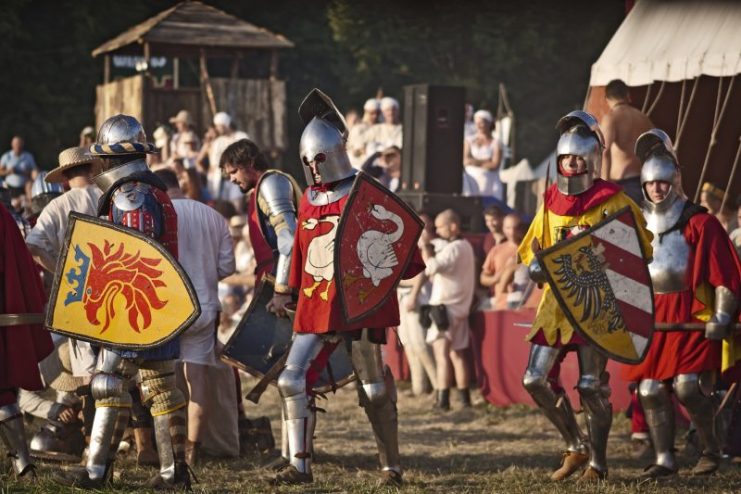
(601, 281)
(116, 286)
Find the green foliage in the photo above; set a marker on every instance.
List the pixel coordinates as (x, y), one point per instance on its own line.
(541, 50)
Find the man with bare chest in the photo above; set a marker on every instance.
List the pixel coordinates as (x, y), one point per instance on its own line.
(621, 127)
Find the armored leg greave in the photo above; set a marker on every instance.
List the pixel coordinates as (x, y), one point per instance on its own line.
(14, 436)
(108, 387)
(594, 390)
(167, 405)
(556, 407)
(659, 410)
(377, 393)
(694, 392)
(299, 415)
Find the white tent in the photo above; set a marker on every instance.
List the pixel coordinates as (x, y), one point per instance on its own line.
(681, 60)
(672, 41)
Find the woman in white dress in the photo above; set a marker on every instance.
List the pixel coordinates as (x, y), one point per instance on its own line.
(482, 155)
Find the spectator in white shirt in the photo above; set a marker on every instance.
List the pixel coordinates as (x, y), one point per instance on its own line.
(205, 251)
(453, 274)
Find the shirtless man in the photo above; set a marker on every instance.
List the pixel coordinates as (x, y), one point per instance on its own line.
(621, 127)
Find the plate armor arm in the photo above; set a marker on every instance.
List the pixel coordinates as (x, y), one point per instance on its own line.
(276, 200)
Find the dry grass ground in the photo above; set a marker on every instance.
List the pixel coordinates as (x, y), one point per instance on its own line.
(480, 450)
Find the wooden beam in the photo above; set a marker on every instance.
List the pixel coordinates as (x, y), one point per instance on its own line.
(206, 83)
(176, 73)
(273, 64)
(106, 69)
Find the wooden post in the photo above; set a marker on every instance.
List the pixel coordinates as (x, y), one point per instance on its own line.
(106, 69)
(273, 64)
(176, 73)
(206, 83)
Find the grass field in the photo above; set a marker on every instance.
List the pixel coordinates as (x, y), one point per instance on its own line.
(479, 450)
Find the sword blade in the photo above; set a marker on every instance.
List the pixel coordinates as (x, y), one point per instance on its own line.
(20, 319)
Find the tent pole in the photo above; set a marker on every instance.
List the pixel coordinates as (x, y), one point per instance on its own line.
(645, 99)
(658, 96)
(680, 126)
(713, 133)
(681, 107)
(733, 175)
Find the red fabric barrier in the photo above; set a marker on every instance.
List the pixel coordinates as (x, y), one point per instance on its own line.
(500, 357)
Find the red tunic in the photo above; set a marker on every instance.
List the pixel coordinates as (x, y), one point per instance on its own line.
(319, 309)
(21, 347)
(263, 252)
(713, 262)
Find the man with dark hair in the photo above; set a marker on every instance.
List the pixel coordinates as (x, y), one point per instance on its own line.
(621, 127)
(272, 204)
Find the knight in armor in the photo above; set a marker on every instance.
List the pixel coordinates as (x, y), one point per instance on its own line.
(319, 324)
(22, 347)
(696, 278)
(577, 201)
(272, 206)
(135, 197)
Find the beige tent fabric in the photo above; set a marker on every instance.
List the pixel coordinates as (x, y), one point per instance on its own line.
(673, 41)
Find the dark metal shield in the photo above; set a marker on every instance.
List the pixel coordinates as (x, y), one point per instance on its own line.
(601, 281)
(376, 239)
(261, 338)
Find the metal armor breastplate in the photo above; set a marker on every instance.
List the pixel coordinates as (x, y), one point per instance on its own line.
(671, 252)
(670, 266)
(324, 197)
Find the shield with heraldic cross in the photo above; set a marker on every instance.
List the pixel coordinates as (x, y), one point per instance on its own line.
(601, 281)
(376, 240)
(116, 286)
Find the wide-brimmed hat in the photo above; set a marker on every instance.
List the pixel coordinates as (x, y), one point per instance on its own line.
(56, 370)
(182, 116)
(70, 158)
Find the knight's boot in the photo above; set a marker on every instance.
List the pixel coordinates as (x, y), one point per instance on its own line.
(13, 435)
(557, 408)
(298, 410)
(694, 393)
(299, 425)
(109, 389)
(594, 391)
(168, 408)
(659, 410)
(171, 434)
(379, 403)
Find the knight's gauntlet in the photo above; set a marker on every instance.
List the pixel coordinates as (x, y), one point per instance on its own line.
(536, 272)
(726, 306)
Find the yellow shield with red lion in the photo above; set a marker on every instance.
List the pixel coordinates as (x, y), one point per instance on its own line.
(118, 287)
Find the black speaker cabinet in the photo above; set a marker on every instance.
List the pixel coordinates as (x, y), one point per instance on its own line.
(470, 209)
(432, 154)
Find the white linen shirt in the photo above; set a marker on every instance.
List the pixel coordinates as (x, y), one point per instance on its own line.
(452, 271)
(51, 226)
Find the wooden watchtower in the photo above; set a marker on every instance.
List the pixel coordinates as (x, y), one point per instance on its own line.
(198, 58)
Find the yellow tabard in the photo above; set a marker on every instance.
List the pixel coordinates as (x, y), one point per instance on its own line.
(550, 318)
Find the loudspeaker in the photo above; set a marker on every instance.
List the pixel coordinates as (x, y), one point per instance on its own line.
(432, 154)
(468, 208)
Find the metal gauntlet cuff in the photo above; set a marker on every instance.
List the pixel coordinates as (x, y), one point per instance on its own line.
(536, 272)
